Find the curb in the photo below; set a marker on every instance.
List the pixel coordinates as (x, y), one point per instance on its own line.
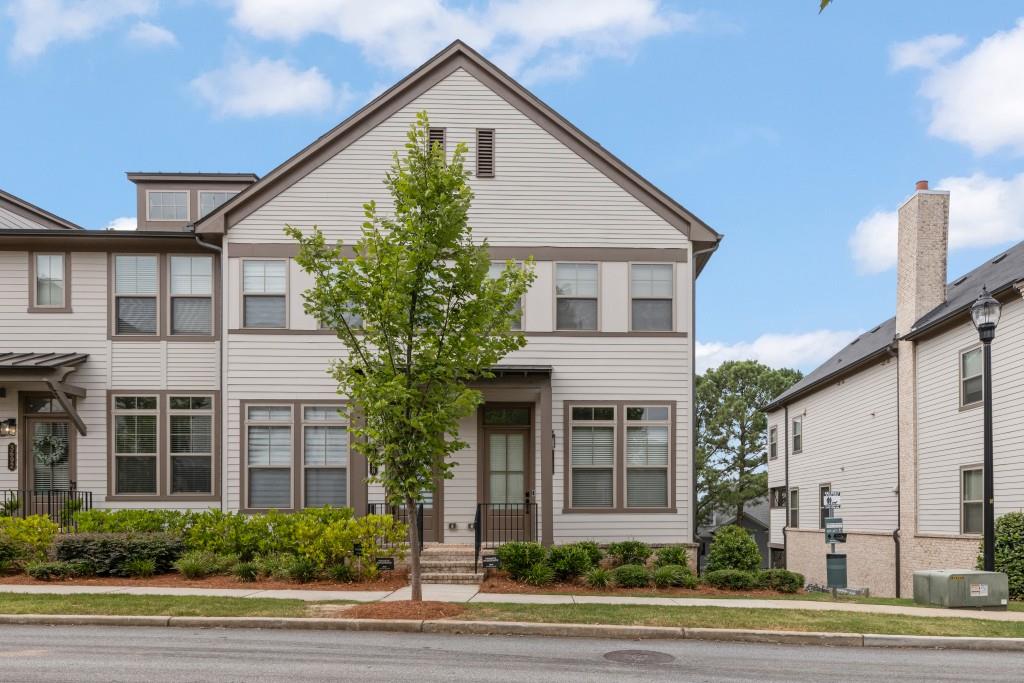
(519, 628)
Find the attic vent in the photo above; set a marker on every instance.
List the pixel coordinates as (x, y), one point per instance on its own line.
(959, 281)
(875, 329)
(855, 341)
(436, 136)
(999, 258)
(485, 153)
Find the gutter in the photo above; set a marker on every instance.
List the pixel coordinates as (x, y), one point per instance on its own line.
(899, 494)
(222, 380)
(815, 385)
(785, 453)
(917, 332)
(693, 391)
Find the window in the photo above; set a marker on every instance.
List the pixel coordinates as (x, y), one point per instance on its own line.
(576, 294)
(494, 272)
(324, 456)
(264, 285)
(823, 511)
(647, 456)
(972, 496)
(191, 444)
(773, 443)
(135, 294)
(167, 205)
(592, 459)
(777, 497)
(192, 295)
(269, 456)
(135, 445)
(436, 137)
(210, 201)
(798, 434)
(651, 290)
(485, 153)
(794, 508)
(972, 386)
(49, 286)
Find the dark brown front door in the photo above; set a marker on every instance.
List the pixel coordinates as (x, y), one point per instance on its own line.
(50, 461)
(507, 473)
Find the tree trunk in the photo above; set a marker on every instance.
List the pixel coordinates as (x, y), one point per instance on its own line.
(414, 550)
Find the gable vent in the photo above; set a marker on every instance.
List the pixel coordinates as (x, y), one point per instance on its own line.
(436, 136)
(485, 153)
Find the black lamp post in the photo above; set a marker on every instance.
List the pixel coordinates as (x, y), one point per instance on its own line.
(985, 314)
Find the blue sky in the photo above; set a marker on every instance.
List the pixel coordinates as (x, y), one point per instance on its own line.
(796, 135)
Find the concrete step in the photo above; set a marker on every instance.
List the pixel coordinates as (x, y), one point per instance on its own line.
(446, 565)
(451, 577)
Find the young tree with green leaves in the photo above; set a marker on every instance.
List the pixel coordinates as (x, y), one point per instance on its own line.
(731, 439)
(419, 318)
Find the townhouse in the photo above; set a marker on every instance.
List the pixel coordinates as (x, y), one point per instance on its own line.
(178, 363)
(893, 421)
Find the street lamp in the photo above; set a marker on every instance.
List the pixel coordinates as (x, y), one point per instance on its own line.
(985, 314)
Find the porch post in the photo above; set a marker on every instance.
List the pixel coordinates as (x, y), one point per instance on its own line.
(547, 466)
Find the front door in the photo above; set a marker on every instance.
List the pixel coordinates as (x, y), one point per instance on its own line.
(49, 462)
(507, 474)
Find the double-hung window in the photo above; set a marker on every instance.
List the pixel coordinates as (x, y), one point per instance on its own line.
(794, 508)
(210, 200)
(972, 386)
(651, 291)
(167, 205)
(192, 295)
(576, 296)
(324, 456)
(798, 434)
(191, 444)
(135, 445)
(494, 272)
(135, 293)
(592, 456)
(49, 288)
(777, 497)
(269, 456)
(264, 290)
(773, 443)
(647, 456)
(972, 498)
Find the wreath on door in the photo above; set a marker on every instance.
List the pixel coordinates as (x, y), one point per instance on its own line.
(50, 450)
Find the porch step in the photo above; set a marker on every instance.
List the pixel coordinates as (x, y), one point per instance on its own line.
(466, 578)
(459, 565)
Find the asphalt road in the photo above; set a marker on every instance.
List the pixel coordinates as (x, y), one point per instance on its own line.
(155, 655)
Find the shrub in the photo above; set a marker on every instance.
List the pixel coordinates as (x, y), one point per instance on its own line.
(733, 548)
(598, 577)
(197, 564)
(631, 576)
(341, 573)
(519, 558)
(569, 561)
(8, 553)
(133, 521)
(630, 552)
(29, 537)
(731, 579)
(671, 554)
(539, 574)
(140, 567)
(110, 553)
(781, 580)
(48, 571)
(1010, 551)
(674, 576)
(246, 572)
(272, 566)
(300, 569)
(592, 549)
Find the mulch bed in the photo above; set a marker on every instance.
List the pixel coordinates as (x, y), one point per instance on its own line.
(498, 582)
(388, 581)
(404, 609)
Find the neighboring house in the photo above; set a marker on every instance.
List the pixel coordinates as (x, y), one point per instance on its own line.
(894, 422)
(17, 214)
(755, 520)
(196, 379)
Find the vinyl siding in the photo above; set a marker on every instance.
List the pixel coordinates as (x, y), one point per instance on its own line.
(777, 476)
(13, 221)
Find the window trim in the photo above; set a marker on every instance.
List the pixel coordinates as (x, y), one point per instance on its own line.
(626, 467)
(773, 499)
(798, 420)
(214, 435)
(964, 469)
(962, 379)
(160, 288)
(157, 413)
(199, 200)
(556, 296)
(242, 294)
(212, 296)
(34, 307)
(337, 421)
(790, 509)
(773, 442)
(188, 206)
(619, 461)
(632, 297)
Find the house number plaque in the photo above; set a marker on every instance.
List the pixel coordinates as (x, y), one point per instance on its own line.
(12, 456)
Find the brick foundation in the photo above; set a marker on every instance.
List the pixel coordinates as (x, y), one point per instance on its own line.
(870, 559)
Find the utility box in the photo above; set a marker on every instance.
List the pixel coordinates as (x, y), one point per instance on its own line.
(835, 570)
(961, 588)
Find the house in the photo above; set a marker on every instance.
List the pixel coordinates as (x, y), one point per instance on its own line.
(755, 520)
(179, 363)
(893, 422)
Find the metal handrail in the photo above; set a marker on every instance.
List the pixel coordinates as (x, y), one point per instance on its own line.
(496, 524)
(399, 513)
(60, 505)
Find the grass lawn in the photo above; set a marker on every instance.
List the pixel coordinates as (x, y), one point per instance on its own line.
(161, 605)
(717, 617)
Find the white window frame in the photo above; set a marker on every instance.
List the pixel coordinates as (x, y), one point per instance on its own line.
(336, 421)
(773, 443)
(614, 424)
(188, 207)
(154, 412)
(230, 193)
(191, 412)
(171, 296)
(63, 279)
(672, 296)
(290, 424)
(963, 380)
(798, 433)
(669, 459)
(596, 297)
(156, 296)
(964, 502)
(285, 294)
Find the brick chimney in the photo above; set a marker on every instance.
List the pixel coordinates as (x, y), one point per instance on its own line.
(921, 260)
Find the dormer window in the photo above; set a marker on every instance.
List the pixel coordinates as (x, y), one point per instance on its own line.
(210, 200)
(167, 205)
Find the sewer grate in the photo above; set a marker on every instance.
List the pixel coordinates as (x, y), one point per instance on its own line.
(639, 657)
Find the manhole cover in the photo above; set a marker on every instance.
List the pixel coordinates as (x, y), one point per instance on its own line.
(639, 657)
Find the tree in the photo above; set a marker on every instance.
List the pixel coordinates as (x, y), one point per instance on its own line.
(431, 321)
(731, 437)
(823, 5)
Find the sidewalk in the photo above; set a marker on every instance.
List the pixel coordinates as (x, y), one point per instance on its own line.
(461, 593)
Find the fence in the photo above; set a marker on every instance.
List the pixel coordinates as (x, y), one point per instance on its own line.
(60, 505)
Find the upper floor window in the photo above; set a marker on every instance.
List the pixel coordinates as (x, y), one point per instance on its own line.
(972, 387)
(798, 434)
(264, 289)
(777, 497)
(167, 205)
(210, 200)
(651, 290)
(972, 497)
(494, 272)
(773, 443)
(794, 508)
(576, 294)
(49, 286)
(192, 295)
(135, 294)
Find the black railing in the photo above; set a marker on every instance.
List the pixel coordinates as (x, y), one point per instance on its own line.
(60, 505)
(498, 523)
(399, 513)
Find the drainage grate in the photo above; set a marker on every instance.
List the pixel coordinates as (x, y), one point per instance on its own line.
(639, 657)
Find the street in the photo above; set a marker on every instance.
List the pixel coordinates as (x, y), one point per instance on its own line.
(155, 655)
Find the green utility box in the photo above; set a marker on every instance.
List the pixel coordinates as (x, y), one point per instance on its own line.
(835, 570)
(961, 588)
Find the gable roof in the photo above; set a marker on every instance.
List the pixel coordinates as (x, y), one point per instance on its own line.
(455, 56)
(28, 216)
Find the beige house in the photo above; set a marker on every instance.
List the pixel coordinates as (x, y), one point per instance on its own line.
(197, 380)
(894, 422)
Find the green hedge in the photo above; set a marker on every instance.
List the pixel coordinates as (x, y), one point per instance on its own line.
(781, 580)
(26, 539)
(1010, 551)
(731, 579)
(630, 552)
(631, 576)
(519, 557)
(110, 554)
(733, 548)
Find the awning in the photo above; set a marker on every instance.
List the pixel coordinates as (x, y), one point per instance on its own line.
(50, 370)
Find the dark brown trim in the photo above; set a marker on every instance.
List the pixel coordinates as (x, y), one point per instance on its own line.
(98, 240)
(161, 176)
(32, 307)
(191, 186)
(483, 461)
(884, 353)
(497, 253)
(33, 213)
(494, 154)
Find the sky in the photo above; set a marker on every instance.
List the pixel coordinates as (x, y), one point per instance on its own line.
(794, 133)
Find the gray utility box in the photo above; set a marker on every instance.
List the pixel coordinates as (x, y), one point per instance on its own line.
(964, 588)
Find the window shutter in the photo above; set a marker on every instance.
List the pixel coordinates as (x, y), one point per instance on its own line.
(436, 137)
(485, 153)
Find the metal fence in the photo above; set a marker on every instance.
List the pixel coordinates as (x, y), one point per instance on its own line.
(498, 523)
(399, 513)
(60, 505)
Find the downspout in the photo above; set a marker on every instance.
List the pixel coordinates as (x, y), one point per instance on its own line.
(785, 454)
(693, 394)
(896, 531)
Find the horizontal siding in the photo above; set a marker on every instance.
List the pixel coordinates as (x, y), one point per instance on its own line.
(13, 221)
(776, 525)
(777, 467)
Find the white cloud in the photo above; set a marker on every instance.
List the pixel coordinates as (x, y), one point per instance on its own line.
(983, 212)
(804, 351)
(122, 223)
(40, 23)
(536, 39)
(924, 53)
(145, 33)
(267, 87)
